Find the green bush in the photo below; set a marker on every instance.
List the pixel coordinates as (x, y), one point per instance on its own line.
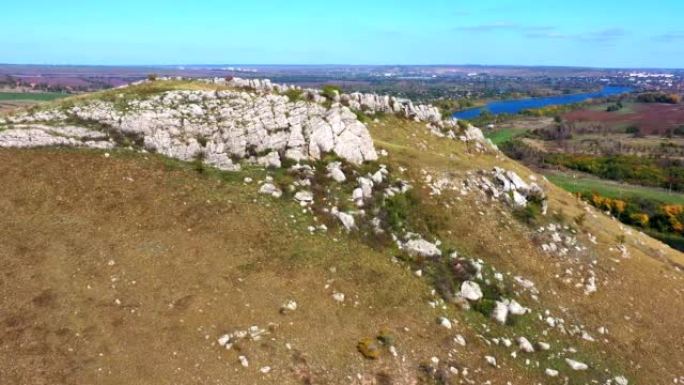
(330, 90)
(485, 306)
(397, 209)
(294, 94)
(528, 214)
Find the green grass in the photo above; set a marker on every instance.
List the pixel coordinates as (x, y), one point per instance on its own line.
(504, 135)
(34, 96)
(612, 189)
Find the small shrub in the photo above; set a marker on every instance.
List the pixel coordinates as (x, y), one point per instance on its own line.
(397, 210)
(634, 130)
(369, 348)
(202, 141)
(579, 219)
(614, 108)
(485, 307)
(331, 90)
(152, 77)
(463, 124)
(294, 94)
(198, 163)
(362, 117)
(528, 214)
(386, 337)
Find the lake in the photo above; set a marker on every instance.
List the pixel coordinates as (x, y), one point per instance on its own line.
(517, 105)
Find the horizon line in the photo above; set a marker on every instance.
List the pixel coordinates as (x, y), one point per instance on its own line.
(552, 66)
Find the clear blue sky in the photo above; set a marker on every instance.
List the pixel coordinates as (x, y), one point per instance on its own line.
(552, 32)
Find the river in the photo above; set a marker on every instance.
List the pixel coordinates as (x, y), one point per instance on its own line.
(516, 105)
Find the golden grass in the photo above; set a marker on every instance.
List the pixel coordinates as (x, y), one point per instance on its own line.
(195, 256)
(646, 288)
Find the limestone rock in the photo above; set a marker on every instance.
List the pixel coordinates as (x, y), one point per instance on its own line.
(576, 365)
(270, 189)
(421, 247)
(500, 312)
(471, 291)
(525, 345)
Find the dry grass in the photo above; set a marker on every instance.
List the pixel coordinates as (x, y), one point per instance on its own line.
(188, 257)
(194, 256)
(642, 301)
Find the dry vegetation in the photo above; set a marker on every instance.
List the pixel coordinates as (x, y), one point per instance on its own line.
(126, 269)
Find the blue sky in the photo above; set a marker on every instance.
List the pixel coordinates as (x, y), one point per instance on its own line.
(598, 33)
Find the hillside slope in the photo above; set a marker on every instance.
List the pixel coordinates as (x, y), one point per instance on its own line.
(123, 266)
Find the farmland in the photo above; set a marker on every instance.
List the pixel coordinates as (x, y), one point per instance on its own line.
(649, 118)
(31, 96)
(583, 183)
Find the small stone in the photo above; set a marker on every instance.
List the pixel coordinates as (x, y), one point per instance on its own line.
(515, 308)
(621, 380)
(551, 372)
(500, 312)
(491, 360)
(243, 361)
(460, 340)
(444, 322)
(576, 365)
(339, 297)
(289, 306)
(265, 369)
(543, 346)
(471, 291)
(525, 345)
(303, 196)
(248, 180)
(270, 189)
(224, 339)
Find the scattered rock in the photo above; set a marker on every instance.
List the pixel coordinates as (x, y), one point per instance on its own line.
(421, 247)
(339, 297)
(444, 322)
(347, 219)
(303, 196)
(576, 365)
(270, 189)
(335, 172)
(288, 307)
(471, 291)
(500, 312)
(525, 345)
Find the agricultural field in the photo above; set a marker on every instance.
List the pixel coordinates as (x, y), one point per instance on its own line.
(650, 118)
(13, 100)
(32, 96)
(585, 183)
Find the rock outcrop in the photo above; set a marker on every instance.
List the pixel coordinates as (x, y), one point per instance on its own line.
(219, 127)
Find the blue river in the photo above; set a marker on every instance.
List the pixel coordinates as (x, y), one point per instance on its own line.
(517, 105)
